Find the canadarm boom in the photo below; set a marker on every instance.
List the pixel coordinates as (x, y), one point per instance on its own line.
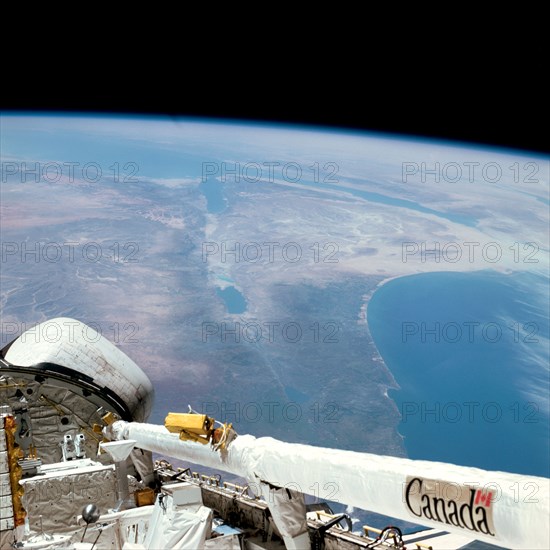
(500, 508)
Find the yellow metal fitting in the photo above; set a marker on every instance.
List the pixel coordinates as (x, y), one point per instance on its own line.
(109, 418)
(15, 471)
(198, 424)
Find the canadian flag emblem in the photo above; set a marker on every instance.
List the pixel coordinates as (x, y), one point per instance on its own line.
(484, 498)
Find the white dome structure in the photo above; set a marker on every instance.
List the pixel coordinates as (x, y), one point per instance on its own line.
(68, 352)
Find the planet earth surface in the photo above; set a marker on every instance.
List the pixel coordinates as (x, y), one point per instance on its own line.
(341, 289)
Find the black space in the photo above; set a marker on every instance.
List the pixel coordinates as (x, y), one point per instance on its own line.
(463, 77)
(478, 100)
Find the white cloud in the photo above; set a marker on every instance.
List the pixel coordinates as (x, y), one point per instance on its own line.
(174, 183)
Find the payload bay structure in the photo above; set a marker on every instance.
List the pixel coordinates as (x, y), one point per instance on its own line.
(73, 435)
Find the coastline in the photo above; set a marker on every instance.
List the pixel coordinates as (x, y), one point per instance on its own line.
(425, 381)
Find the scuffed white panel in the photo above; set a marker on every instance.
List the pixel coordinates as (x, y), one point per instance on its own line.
(178, 527)
(74, 345)
(288, 510)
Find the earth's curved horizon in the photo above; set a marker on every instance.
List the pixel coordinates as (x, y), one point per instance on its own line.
(235, 264)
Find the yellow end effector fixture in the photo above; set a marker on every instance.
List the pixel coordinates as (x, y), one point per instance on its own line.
(190, 426)
(201, 428)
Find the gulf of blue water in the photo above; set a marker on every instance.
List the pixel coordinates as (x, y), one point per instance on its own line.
(470, 354)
